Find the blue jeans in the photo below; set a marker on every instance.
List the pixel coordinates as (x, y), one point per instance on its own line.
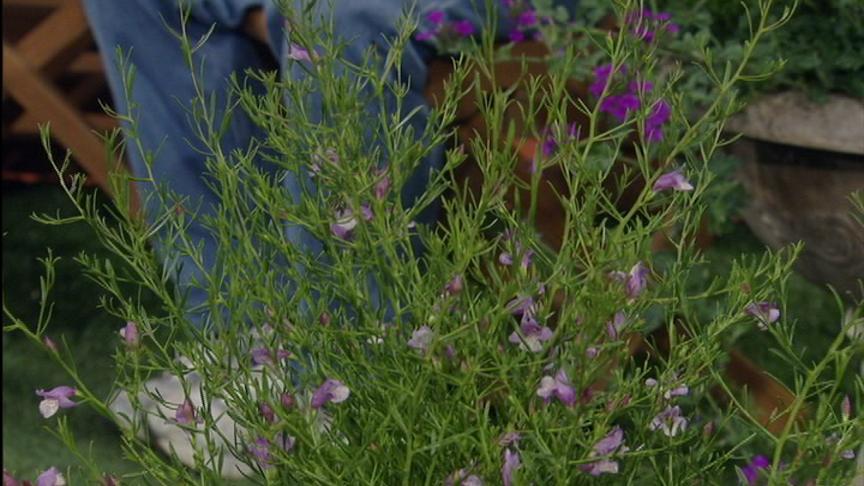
(163, 85)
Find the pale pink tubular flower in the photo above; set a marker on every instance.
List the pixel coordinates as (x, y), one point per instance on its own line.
(674, 180)
(512, 462)
(51, 477)
(558, 387)
(130, 335)
(332, 391)
(55, 399)
(765, 312)
(421, 338)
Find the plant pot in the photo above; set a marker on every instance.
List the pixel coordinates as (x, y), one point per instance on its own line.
(801, 163)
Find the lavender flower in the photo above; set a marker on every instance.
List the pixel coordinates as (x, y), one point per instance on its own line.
(463, 478)
(263, 356)
(185, 413)
(658, 117)
(669, 421)
(591, 352)
(50, 344)
(509, 439)
(558, 387)
(650, 382)
(751, 470)
(765, 312)
(848, 454)
(614, 327)
(421, 338)
(679, 391)
(527, 259)
(454, 286)
(330, 391)
(260, 450)
(531, 335)
(637, 280)
(298, 53)
(512, 462)
(672, 180)
(620, 105)
(129, 333)
(267, 412)
(521, 305)
(607, 446)
(505, 259)
(344, 226)
(435, 17)
(55, 399)
(50, 477)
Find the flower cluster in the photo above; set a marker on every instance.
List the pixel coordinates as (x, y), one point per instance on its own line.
(648, 25)
(440, 28)
(523, 18)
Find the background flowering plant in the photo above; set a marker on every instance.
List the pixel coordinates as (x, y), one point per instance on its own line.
(470, 351)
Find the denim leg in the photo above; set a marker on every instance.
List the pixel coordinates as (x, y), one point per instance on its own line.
(162, 91)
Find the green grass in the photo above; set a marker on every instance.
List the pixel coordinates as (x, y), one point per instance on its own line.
(92, 335)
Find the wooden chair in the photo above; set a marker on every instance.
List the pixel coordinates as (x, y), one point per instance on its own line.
(51, 70)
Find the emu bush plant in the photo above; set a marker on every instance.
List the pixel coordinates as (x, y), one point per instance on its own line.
(461, 352)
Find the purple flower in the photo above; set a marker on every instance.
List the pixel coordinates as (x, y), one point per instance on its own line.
(614, 327)
(421, 338)
(425, 36)
(298, 53)
(669, 421)
(455, 285)
(846, 407)
(287, 400)
(601, 79)
(267, 412)
(558, 387)
(129, 333)
(260, 450)
(512, 462)
(366, 211)
(620, 105)
(672, 180)
(463, 478)
(639, 87)
(532, 335)
(765, 312)
(591, 352)
(55, 399)
(435, 17)
(50, 477)
(263, 356)
(9, 479)
(658, 117)
(604, 448)
(550, 145)
(516, 36)
(382, 187)
(330, 391)
(344, 226)
(637, 280)
(527, 18)
(679, 391)
(521, 305)
(509, 439)
(751, 470)
(463, 28)
(505, 259)
(527, 259)
(185, 413)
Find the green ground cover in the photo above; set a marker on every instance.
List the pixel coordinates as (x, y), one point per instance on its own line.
(92, 335)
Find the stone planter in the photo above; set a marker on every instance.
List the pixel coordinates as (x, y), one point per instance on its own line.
(801, 163)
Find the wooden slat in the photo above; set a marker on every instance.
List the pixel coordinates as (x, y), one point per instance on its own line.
(34, 3)
(64, 29)
(45, 104)
(87, 63)
(28, 125)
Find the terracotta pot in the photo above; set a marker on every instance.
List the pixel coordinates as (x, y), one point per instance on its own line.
(801, 163)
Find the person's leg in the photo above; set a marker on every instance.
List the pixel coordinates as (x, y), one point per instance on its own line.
(163, 90)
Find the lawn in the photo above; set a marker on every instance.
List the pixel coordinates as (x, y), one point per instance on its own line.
(91, 334)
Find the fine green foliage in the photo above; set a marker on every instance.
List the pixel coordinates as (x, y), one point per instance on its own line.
(410, 349)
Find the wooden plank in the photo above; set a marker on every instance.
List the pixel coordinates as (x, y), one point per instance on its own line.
(28, 125)
(34, 3)
(87, 62)
(64, 30)
(45, 104)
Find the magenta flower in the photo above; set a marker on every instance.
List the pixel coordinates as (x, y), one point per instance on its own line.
(130, 336)
(658, 117)
(765, 312)
(751, 470)
(516, 36)
(607, 446)
(50, 477)
(463, 28)
(55, 399)
(185, 413)
(614, 327)
(330, 391)
(512, 462)
(672, 180)
(531, 335)
(435, 17)
(639, 87)
(550, 145)
(558, 387)
(528, 18)
(455, 285)
(620, 105)
(344, 226)
(421, 338)
(425, 36)
(298, 53)
(601, 79)
(670, 421)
